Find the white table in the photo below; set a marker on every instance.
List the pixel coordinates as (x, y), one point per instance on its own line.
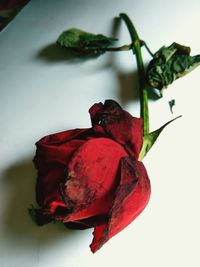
(42, 93)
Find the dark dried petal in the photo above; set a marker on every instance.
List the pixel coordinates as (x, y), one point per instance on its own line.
(51, 162)
(119, 125)
(52, 156)
(131, 197)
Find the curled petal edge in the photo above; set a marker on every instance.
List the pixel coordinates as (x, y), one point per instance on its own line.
(131, 198)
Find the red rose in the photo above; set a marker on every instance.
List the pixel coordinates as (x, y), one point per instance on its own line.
(92, 177)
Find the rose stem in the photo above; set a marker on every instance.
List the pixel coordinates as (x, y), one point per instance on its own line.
(119, 49)
(136, 48)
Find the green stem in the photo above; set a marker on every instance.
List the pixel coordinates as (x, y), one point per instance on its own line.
(128, 47)
(120, 48)
(136, 48)
(146, 46)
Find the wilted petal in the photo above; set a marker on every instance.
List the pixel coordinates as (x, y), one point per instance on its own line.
(119, 125)
(47, 187)
(60, 138)
(52, 156)
(95, 111)
(92, 177)
(51, 161)
(49, 155)
(132, 196)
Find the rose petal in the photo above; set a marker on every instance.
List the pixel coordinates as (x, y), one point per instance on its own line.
(47, 156)
(93, 177)
(57, 148)
(119, 125)
(51, 162)
(94, 111)
(47, 187)
(131, 198)
(62, 137)
(52, 157)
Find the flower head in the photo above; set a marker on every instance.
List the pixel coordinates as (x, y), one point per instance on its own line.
(92, 177)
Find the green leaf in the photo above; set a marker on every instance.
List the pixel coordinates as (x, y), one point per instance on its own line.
(84, 42)
(170, 63)
(150, 138)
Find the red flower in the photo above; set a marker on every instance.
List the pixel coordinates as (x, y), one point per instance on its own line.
(91, 177)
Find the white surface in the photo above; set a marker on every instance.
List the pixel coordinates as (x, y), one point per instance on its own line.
(39, 96)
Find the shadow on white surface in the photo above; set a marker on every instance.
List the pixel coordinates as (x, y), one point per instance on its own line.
(128, 89)
(53, 53)
(19, 227)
